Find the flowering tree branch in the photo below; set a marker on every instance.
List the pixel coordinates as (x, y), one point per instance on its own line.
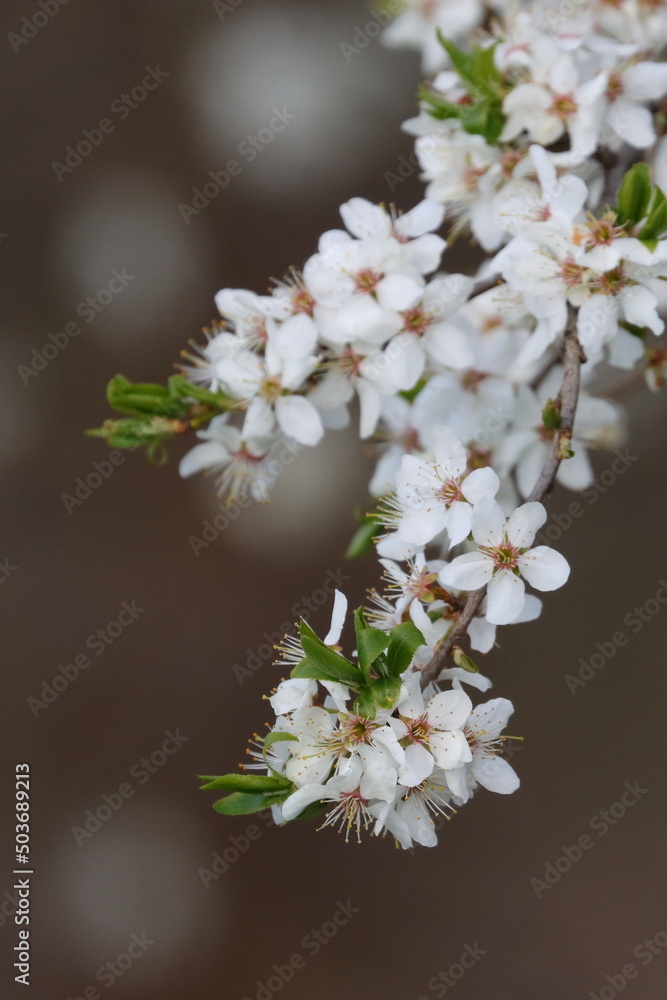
(476, 390)
(566, 406)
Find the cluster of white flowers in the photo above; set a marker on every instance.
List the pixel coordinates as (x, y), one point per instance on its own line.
(480, 390)
(393, 772)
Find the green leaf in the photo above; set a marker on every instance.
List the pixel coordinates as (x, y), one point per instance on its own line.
(138, 399)
(247, 783)
(634, 194)
(362, 539)
(382, 693)
(370, 643)
(322, 662)
(278, 737)
(405, 640)
(242, 804)
(656, 223)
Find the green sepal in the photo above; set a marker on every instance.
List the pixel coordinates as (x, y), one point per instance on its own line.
(405, 640)
(636, 331)
(634, 195)
(242, 803)
(247, 783)
(462, 660)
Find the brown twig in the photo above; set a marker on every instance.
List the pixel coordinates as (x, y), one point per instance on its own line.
(573, 357)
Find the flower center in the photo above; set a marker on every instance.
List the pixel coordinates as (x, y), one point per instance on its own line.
(418, 729)
(563, 106)
(505, 557)
(571, 273)
(367, 280)
(349, 813)
(416, 321)
(450, 491)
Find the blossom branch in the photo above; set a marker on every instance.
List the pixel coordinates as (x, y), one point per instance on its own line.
(573, 358)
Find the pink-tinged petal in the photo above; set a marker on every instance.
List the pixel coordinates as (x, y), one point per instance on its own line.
(467, 572)
(449, 749)
(544, 568)
(449, 453)
(488, 523)
(524, 522)
(417, 767)
(337, 619)
(480, 483)
(496, 775)
(299, 419)
(459, 517)
(505, 598)
(449, 710)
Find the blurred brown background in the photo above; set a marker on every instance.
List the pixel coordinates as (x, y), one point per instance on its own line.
(229, 66)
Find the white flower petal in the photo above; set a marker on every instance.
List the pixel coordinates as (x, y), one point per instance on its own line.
(505, 598)
(544, 568)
